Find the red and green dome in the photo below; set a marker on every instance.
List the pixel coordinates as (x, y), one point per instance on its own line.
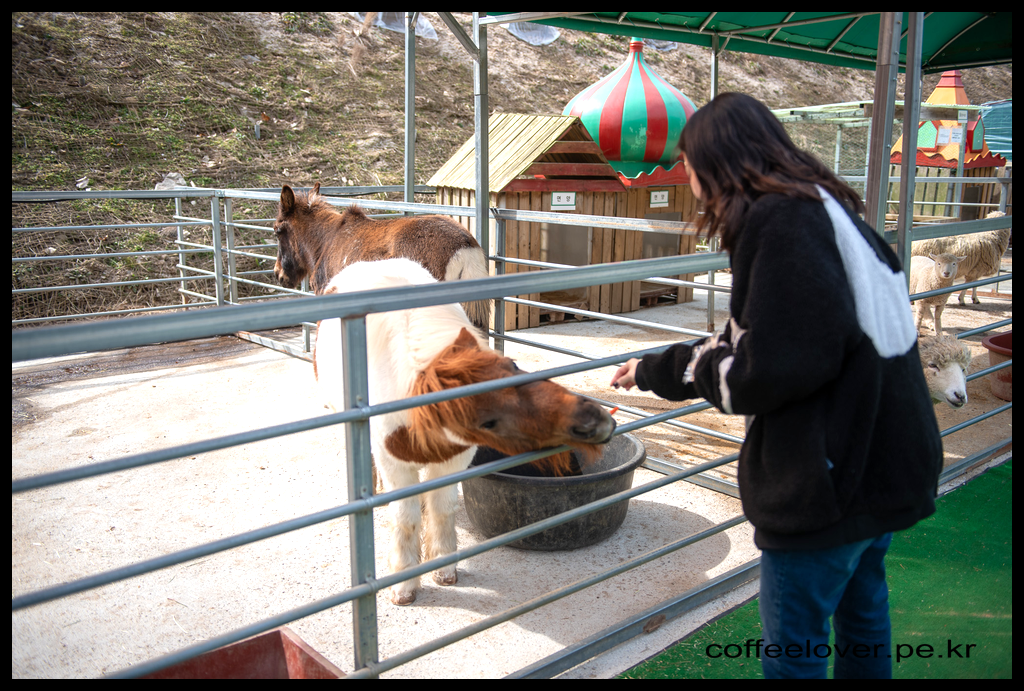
(633, 114)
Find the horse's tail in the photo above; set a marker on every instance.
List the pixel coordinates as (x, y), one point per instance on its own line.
(469, 263)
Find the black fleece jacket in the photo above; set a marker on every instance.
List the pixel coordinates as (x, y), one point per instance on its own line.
(821, 351)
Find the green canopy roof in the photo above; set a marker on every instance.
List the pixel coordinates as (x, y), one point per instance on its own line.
(952, 40)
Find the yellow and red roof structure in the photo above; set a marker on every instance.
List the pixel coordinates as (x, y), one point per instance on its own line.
(936, 145)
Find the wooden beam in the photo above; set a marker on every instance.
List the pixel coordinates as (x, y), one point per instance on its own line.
(538, 185)
(575, 169)
(570, 185)
(929, 112)
(575, 148)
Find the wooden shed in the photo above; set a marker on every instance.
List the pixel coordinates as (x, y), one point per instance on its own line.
(535, 159)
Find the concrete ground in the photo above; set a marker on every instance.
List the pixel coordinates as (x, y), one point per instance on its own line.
(82, 409)
(78, 410)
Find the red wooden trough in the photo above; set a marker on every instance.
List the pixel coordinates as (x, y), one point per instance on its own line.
(277, 654)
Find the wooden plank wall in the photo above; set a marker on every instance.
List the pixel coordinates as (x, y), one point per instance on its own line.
(684, 202)
(523, 240)
(934, 192)
(511, 249)
(988, 193)
(607, 245)
(930, 197)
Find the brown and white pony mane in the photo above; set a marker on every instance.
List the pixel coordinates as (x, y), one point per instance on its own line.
(458, 366)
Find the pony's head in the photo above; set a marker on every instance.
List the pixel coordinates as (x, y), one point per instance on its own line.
(296, 216)
(512, 420)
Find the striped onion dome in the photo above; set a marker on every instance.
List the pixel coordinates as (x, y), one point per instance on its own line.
(633, 114)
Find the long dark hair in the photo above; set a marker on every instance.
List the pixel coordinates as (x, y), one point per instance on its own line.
(739, 151)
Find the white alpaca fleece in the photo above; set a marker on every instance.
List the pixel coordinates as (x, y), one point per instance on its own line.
(931, 273)
(982, 253)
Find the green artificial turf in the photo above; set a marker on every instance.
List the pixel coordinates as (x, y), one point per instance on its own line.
(950, 599)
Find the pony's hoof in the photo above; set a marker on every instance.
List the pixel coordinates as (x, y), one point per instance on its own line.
(403, 598)
(446, 577)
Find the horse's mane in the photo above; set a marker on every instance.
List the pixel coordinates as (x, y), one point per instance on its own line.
(354, 213)
(458, 366)
(454, 366)
(314, 201)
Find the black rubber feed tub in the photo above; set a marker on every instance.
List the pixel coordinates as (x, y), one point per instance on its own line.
(505, 501)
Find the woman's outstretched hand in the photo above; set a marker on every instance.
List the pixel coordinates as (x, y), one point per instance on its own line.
(625, 376)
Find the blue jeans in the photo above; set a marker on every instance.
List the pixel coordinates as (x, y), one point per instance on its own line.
(801, 589)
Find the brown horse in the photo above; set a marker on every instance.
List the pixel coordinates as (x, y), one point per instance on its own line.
(316, 241)
(420, 351)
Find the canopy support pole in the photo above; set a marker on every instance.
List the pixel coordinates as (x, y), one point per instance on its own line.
(886, 70)
(911, 122)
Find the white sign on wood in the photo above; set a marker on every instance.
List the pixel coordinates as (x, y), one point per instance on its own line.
(659, 199)
(562, 201)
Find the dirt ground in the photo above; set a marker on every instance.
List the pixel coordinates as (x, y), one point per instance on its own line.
(76, 410)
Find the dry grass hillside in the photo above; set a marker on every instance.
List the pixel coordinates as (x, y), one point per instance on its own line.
(116, 101)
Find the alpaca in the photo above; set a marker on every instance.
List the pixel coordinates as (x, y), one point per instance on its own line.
(945, 361)
(931, 273)
(982, 253)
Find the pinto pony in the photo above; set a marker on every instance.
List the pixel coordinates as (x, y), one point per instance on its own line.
(418, 351)
(316, 241)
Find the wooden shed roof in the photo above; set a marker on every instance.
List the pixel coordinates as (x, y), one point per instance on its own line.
(523, 147)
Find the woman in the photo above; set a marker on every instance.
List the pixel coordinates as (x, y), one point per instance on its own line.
(820, 354)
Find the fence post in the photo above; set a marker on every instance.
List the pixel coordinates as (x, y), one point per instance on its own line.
(181, 255)
(911, 117)
(839, 149)
(218, 261)
(306, 328)
(230, 239)
(712, 247)
(960, 164)
(410, 108)
(360, 486)
(499, 270)
(890, 28)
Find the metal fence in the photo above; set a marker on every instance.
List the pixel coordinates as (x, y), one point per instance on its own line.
(352, 308)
